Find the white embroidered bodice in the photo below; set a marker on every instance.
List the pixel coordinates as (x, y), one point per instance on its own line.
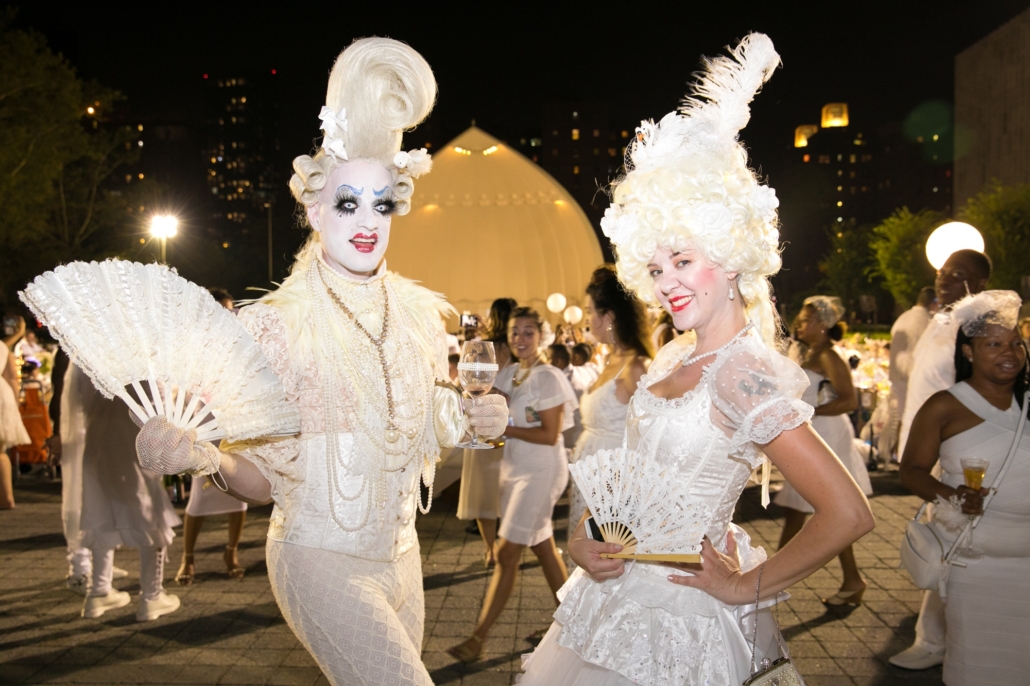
(297, 467)
(603, 418)
(641, 625)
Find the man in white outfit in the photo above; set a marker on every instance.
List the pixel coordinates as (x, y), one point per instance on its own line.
(965, 272)
(905, 334)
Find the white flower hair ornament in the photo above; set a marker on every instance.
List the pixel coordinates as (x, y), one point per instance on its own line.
(974, 313)
(413, 162)
(830, 309)
(334, 125)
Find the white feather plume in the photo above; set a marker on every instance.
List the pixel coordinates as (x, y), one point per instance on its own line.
(719, 103)
(975, 312)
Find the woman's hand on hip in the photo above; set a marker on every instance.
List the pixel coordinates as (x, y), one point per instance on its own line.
(717, 574)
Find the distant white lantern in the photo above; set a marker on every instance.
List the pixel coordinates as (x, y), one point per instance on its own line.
(573, 315)
(947, 238)
(556, 302)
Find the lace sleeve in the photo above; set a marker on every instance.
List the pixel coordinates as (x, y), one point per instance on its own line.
(276, 458)
(756, 395)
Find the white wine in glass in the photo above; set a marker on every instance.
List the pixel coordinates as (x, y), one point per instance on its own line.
(974, 469)
(477, 370)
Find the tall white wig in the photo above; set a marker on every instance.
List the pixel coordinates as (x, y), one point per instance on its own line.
(688, 184)
(378, 88)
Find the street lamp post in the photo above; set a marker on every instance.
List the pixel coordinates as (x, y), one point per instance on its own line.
(163, 227)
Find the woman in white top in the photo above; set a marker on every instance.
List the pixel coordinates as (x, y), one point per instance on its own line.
(619, 320)
(832, 395)
(534, 471)
(988, 604)
(695, 231)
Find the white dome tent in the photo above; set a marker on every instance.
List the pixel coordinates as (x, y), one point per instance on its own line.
(487, 223)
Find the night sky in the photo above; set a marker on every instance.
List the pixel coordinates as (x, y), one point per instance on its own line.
(498, 63)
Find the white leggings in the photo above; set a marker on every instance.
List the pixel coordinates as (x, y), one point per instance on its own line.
(361, 620)
(151, 571)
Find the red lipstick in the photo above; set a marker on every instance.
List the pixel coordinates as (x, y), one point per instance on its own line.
(363, 243)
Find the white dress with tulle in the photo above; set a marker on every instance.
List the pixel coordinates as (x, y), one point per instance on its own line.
(641, 628)
(839, 435)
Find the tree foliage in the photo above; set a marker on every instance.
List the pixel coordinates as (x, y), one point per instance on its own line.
(847, 268)
(1002, 214)
(56, 203)
(898, 245)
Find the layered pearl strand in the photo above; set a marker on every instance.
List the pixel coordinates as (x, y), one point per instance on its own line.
(349, 371)
(696, 358)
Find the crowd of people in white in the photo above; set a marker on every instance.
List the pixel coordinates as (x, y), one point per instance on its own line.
(713, 395)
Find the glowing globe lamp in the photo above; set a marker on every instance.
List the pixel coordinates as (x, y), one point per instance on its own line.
(573, 315)
(556, 302)
(950, 237)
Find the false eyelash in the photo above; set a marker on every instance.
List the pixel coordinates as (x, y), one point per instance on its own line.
(390, 203)
(342, 199)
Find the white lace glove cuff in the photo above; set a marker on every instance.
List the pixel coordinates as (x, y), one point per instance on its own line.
(166, 449)
(488, 414)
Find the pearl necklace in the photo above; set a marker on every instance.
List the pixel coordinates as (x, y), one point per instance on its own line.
(692, 359)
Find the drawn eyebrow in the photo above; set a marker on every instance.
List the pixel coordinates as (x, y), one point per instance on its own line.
(356, 191)
(381, 191)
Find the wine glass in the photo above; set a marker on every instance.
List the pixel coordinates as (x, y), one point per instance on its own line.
(477, 370)
(973, 469)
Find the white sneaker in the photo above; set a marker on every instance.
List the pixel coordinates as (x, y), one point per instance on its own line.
(150, 610)
(97, 605)
(78, 583)
(118, 573)
(917, 657)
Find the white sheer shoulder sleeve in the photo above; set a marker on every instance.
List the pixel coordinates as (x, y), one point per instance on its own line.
(276, 458)
(756, 395)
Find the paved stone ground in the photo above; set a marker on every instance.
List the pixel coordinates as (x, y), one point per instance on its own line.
(231, 632)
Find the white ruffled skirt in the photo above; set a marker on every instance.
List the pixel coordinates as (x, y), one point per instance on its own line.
(643, 629)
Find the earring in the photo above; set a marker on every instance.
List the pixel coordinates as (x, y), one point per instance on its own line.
(731, 292)
(609, 327)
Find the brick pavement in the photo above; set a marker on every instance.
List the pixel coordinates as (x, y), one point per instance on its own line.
(231, 632)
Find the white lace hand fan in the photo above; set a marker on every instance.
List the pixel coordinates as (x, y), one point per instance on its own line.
(125, 323)
(639, 504)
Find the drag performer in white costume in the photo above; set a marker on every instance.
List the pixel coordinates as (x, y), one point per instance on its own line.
(694, 230)
(358, 349)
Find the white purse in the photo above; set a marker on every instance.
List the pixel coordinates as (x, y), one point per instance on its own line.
(922, 551)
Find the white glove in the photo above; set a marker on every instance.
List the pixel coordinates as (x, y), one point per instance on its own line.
(166, 449)
(488, 415)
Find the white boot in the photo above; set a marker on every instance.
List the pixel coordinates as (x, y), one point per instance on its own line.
(150, 610)
(96, 605)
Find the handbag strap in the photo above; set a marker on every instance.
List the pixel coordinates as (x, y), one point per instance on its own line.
(754, 636)
(997, 481)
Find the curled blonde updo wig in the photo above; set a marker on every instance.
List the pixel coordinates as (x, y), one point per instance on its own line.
(688, 185)
(381, 87)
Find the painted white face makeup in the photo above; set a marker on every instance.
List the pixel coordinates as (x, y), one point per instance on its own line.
(353, 215)
(688, 286)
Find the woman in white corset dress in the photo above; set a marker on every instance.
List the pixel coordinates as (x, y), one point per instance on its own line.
(832, 395)
(695, 231)
(359, 350)
(619, 320)
(988, 599)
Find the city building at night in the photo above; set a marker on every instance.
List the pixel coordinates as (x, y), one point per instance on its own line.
(992, 110)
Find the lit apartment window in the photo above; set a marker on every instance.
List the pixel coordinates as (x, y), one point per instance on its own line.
(806, 158)
(597, 133)
(575, 170)
(625, 134)
(824, 159)
(575, 134)
(854, 158)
